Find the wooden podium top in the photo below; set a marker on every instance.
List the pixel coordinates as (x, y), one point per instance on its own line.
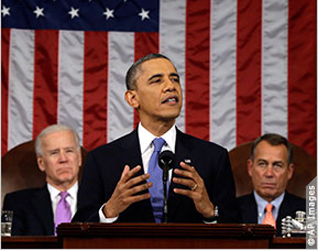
(165, 230)
(169, 235)
(153, 235)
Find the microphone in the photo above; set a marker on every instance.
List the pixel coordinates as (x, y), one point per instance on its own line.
(166, 161)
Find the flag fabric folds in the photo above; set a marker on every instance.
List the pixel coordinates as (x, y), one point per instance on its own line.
(247, 67)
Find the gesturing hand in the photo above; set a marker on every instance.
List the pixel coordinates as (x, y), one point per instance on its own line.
(123, 195)
(197, 191)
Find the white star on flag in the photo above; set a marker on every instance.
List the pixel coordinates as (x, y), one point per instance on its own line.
(108, 13)
(38, 11)
(144, 14)
(73, 12)
(5, 11)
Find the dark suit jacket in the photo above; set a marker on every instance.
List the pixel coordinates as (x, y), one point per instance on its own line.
(32, 211)
(289, 206)
(104, 165)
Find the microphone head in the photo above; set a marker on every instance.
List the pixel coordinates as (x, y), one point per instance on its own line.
(166, 159)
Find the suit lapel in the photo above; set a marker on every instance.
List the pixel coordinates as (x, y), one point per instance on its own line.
(43, 208)
(132, 155)
(182, 152)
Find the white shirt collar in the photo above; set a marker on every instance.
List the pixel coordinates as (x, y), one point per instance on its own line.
(54, 192)
(261, 203)
(146, 138)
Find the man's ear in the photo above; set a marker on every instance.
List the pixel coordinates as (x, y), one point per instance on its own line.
(40, 163)
(291, 169)
(249, 167)
(131, 98)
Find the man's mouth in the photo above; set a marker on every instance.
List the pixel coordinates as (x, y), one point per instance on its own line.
(171, 100)
(268, 185)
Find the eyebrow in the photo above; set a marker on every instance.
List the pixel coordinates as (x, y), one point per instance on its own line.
(275, 162)
(160, 75)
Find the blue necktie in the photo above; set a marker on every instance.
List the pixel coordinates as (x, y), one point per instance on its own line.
(155, 172)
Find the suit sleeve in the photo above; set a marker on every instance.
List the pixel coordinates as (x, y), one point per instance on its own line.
(90, 194)
(224, 191)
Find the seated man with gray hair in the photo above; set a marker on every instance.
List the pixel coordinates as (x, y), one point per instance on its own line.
(270, 167)
(38, 211)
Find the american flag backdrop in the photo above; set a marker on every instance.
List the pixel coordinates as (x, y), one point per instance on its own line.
(247, 66)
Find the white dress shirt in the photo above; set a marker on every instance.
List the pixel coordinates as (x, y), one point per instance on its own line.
(147, 148)
(71, 199)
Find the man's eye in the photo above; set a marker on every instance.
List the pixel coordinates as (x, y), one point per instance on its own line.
(175, 79)
(155, 80)
(278, 165)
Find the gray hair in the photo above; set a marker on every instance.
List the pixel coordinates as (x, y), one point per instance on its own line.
(52, 129)
(274, 140)
(131, 76)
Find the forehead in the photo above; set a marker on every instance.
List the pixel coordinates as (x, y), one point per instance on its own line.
(157, 66)
(265, 150)
(58, 139)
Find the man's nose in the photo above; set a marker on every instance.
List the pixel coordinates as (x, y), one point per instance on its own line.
(62, 157)
(269, 170)
(169, 85)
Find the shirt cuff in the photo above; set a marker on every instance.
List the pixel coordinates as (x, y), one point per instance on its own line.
(102, 217)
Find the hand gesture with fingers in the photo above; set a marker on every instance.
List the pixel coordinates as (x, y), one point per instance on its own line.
(197, 191)
(124, 193)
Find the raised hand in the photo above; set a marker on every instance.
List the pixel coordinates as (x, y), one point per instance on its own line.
(124, 193)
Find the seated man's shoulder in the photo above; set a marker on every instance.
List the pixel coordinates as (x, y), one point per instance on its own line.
(295, 199)
(242, 200)
(22, 194)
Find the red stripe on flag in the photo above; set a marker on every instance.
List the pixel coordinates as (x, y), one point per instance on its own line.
(197, 95)
(95, 89)
(145, 43)
(302, 75)
(248, 87)
(5, 47)
(45, 79)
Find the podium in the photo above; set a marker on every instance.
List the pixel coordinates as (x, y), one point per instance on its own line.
(152, 235)
(170, 235)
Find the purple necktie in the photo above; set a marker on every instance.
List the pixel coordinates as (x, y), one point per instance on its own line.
(63, 210)
(155, 172)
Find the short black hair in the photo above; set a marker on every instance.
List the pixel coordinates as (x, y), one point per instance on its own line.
(133, 70)
(274, 140)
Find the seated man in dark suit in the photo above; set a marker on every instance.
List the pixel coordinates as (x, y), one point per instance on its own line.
(119, 181)
(270, 167)
(38, 211)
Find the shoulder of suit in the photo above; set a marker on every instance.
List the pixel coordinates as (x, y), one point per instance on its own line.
(293, 197)
(197, 141)
(23, 193)
(114, 143)
(244, 198)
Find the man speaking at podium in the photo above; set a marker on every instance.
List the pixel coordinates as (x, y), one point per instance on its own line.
(122, 181)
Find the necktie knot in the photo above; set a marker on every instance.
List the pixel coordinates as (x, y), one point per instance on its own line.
(269, 207)
(158, 144)
(64, 195)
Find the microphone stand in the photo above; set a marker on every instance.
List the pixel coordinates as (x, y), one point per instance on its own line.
(165, 202)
